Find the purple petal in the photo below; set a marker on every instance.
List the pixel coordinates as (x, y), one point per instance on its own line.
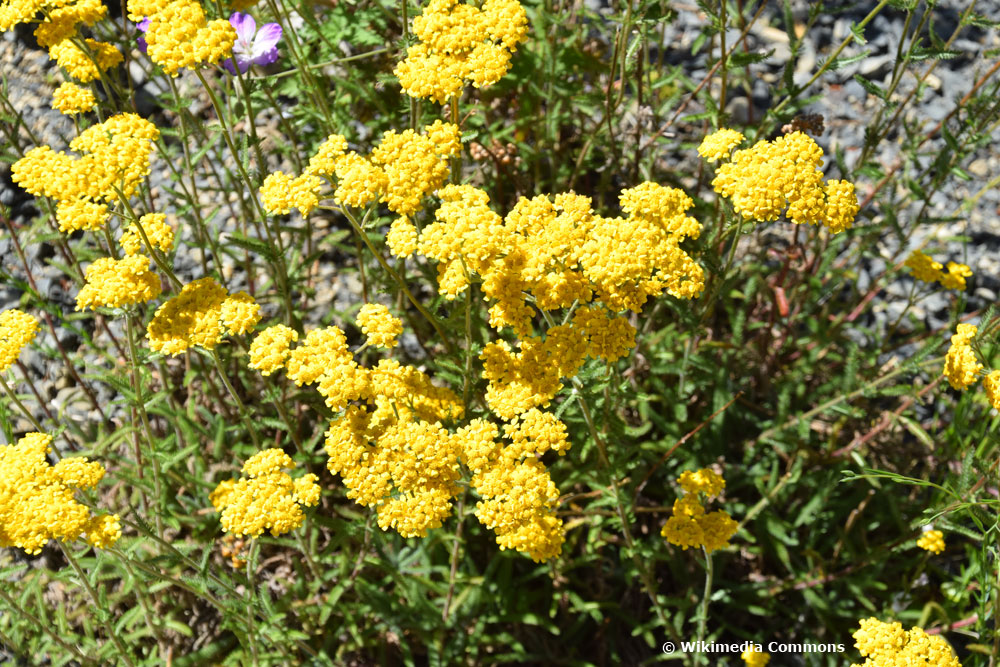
(245, 26)
(267, 37)
(266, 58)
(140, 41)
(242, 63)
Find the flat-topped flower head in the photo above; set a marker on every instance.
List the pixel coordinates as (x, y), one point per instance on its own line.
(17, 329)
(923, 267)
(37, 501)
(961, 367)
(955, 276)
(461, 43)
(717, 145)
(267, 498)
(888, 645)
(115, 283)
(931, 540)
(690, 525)
(70, 99)
(200, 316)
(378, 324)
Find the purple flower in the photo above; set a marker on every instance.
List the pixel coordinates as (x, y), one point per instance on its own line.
(252, 47)
(143, 26)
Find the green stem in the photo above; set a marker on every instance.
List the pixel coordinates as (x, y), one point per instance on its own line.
(147, 429)
(829, 61)
(123, 654)
(706, 596)
(236, 397)
(251, 592)
(13, 397)
(395, 276)
(282, 268)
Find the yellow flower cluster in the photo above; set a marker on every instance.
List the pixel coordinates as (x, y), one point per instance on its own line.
(458, 43)
(36, 499)
(201, 315)
(778, 176)
(179, 35)
(159, 233)
(115, 283)
(690, 525)
(929, 271)
(13, 12)
(378, 324)
(400, 171)
(280, 193)
(82, 65)
(393, 453)
(60, 35)
(960, 364)
(70, 98)
(754, 659)
(531, 377)
(114, 157)
(17, 329)
(560, 253)
(267, 499)
(991, 383)
(932, 540)
(555, 253)
(271, 347)
(519, 497)
(888, 645)
(717, 145)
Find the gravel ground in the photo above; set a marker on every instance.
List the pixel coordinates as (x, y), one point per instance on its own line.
(847, 108)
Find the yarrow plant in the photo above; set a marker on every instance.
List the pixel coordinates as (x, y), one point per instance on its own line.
(367, 332)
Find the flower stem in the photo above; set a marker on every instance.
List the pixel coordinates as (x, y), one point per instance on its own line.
(399, 281)
(123, 652)
(703, 610)
(239, 403)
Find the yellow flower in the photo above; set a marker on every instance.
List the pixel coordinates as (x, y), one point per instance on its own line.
(323, 162)
(705, 481)
(888, 645)
(754, 659)
(960, 364)
(267, 499)
(690, 525)
(114, 283)
(36, 499)
(196, 317)
(379, 325)
(180, 36)
(83, 66)
(240, 313)
(459, 42)
(70, 98)
(932, 540)
(924, 268)
(783, 175)
(955, 278)
(17, 329)
(280, 193)
(159, 233)
(991, 383)
(270, 348)
(717, 145)
(114, 158)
